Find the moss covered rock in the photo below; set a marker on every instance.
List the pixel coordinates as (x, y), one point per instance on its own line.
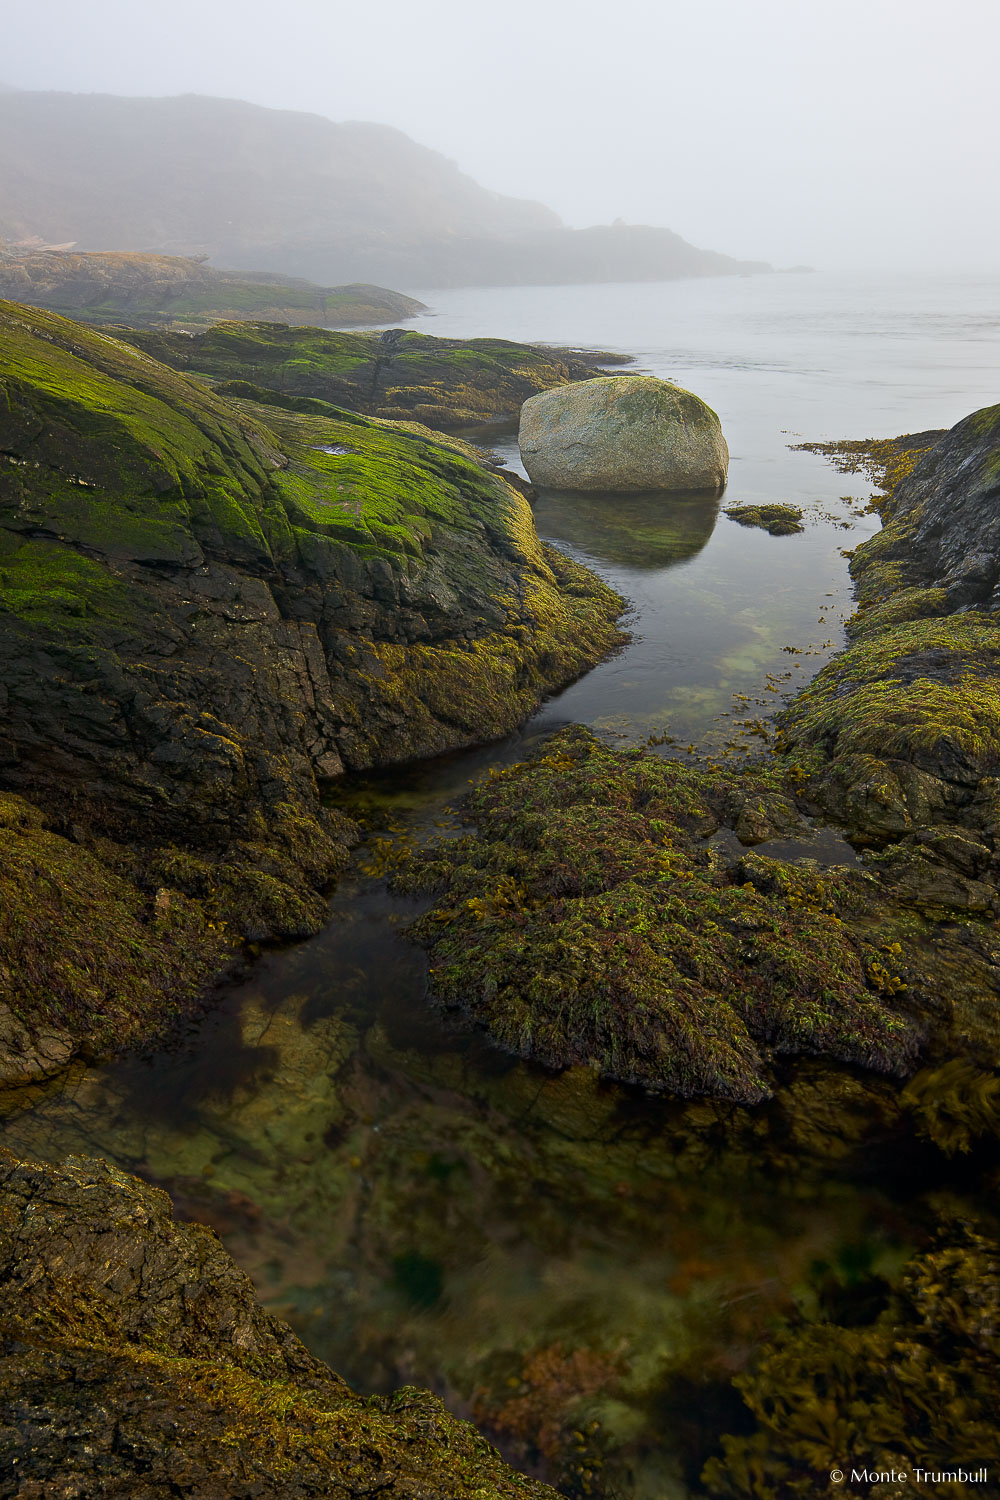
(135, 1359)
(572, 936)
(779, 520)
(399, 375)
(623, 433)
(202, 617)
(903, 724)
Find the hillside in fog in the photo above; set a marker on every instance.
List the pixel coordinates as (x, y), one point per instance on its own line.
(294, 193)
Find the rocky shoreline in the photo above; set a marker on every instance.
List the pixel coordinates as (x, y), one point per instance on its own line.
(213, 603)
(137, 1361)
(204, 618)
(173, 291)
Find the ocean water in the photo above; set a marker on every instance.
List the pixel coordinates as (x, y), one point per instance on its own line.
(783, 359)
(545, 1252)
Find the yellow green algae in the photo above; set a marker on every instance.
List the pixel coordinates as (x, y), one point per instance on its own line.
(400, 375)
(206, 609)
(118, 1322)
(597, 919)
(586, 921)
(916, 1387)
(779, 520)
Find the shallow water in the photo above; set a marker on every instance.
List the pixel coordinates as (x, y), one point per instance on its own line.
(544, 1250)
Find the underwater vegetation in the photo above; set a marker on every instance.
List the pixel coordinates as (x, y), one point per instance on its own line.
(602, 913)
(918, 1385)
(137, 1360)
(206, 611)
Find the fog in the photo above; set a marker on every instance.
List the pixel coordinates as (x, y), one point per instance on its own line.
(864, 133)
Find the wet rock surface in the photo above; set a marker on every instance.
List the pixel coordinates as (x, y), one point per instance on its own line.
(202, 618)
(403, 376)
(136, 1361)
(895, 740)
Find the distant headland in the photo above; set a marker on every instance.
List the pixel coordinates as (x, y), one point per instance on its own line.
(295, 194)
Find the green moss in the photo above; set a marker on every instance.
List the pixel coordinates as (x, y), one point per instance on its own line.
(446, 382)
(879, 697)
(43, 583)
(779, 520)
(187, 586)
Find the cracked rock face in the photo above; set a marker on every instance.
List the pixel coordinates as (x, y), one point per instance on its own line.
(136, 1362)
(943, 521)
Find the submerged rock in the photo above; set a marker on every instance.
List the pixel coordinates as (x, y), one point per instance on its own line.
(623, 433)
(136, 1360)
(919, 1378)
(779, 520)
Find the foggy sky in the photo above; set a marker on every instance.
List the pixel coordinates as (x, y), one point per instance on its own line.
(844, 133)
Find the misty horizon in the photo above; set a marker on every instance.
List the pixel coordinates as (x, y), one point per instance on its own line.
(864, 141)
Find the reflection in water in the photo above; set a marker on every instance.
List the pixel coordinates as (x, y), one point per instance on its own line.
(652, 530)
(548, 1252)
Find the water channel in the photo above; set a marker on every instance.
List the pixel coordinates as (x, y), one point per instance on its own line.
(541, 1249)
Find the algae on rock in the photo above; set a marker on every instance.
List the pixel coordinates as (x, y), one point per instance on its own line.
(203, 616)
(397, 374)
(778, 520)
(583, 923)
(134, 1353)
(586, 922)
(919, 1385)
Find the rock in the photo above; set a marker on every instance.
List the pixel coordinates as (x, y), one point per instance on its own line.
(204, 609)
(25, 1058)
(136, 1360)
(624, 434)
(943, 521)
(618, 945)
(779, 520)
(102, 286)
(400, 375)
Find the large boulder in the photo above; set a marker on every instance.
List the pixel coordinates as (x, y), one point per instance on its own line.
(624, 433)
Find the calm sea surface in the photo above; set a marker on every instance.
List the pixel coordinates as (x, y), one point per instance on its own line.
(782, 359)
(545, 1253)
